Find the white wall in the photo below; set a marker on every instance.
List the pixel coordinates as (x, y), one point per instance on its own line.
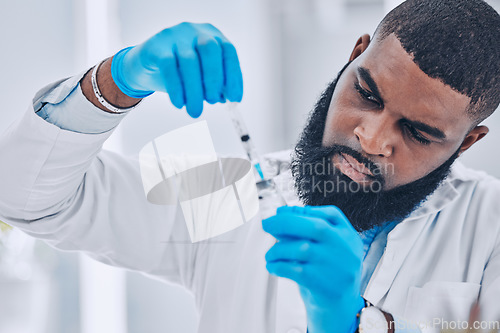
(38, 47)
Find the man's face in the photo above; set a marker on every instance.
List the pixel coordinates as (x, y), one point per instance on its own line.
(391, 112)
(385, 141)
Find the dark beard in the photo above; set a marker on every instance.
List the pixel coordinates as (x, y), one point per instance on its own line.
(318, 182)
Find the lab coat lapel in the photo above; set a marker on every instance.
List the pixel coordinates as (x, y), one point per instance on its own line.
(402, 238)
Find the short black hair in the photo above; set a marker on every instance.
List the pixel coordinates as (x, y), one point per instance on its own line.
(455, 41)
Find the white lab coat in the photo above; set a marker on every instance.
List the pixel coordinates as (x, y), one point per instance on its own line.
(60, 186)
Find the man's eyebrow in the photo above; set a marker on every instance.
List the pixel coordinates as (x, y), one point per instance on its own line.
(367, 77)
(434, 131)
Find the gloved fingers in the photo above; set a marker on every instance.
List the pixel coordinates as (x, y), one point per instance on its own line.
(286, 269)
(210, 54)
(332, 214)
(294, 250)
(190, 70)
(172, 80)
(233, 79)
(286, 225)
(291, 210)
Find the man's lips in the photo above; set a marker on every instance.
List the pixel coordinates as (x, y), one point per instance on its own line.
(361, 168)
(350, 167)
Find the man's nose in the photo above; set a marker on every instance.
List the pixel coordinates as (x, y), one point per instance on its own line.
(375, 136)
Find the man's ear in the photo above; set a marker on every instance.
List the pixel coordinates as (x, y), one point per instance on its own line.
(360, 46)
(474, 136)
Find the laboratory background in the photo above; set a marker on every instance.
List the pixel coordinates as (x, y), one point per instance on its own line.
(289, 51)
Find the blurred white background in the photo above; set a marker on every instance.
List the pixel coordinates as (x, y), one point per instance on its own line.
(289, 50)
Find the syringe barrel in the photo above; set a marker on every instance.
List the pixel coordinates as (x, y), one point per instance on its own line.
(246, 140)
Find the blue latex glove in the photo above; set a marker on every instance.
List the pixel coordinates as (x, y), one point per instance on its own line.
(320, 250)
(190, 62)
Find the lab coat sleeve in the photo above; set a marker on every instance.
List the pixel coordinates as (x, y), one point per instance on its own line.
(64, 105)
(60, 186)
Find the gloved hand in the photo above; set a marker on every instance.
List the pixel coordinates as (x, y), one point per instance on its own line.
(320, 250)
(190, 62)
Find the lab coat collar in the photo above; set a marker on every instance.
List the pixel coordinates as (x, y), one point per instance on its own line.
(402, 238)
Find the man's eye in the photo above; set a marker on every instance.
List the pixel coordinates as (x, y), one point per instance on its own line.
(414, 134)
(366, 95)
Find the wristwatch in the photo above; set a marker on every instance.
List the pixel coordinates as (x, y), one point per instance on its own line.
(374, 320)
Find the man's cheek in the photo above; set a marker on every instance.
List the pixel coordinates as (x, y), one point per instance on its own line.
(339, 132)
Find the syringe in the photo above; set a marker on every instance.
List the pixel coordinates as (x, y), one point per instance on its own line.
(270, 195)
(246, 141)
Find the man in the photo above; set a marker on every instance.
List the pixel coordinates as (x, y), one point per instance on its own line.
(393, 219)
